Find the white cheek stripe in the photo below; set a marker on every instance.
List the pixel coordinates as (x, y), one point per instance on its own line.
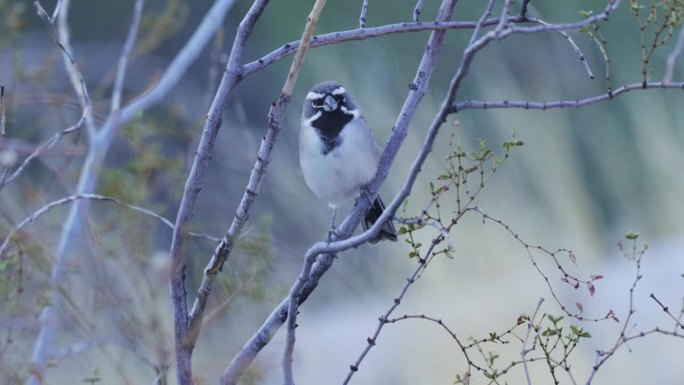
(354, 113)
(338, 91)
(314, 117)
(314, 95)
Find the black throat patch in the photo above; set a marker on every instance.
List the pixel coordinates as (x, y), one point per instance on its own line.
(329, 125)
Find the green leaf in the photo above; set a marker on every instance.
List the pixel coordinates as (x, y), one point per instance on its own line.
(631, 235)
(471, 169)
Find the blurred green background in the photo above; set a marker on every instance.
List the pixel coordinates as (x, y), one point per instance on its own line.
(582, 180)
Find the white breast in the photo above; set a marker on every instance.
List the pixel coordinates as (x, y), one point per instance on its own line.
(337, 176)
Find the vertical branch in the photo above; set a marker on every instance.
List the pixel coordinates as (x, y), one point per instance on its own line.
(674, 55)
(184, 342)
(362, 17)
(478, 27)
(4, 168)
(294, 297)
(417, 10)
(3, 120)
(125, 52)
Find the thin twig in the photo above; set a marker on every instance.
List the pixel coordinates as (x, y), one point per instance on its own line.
(485, 15)
(82, 345)
(666, 309)
(72, 198)
(477, 104)
(39, 150)
(3, 118)
(60, 34)
(674, 55)
(524, 351)
(125, 52)
(574, 46)
(362, 16)
(417, 10)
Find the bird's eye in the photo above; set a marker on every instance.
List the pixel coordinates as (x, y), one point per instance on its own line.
(339, 98)
(318, 103)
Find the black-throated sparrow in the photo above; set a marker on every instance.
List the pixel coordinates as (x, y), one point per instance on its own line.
(337, 151)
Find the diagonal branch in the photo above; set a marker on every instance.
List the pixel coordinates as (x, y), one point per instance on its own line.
(39, 150)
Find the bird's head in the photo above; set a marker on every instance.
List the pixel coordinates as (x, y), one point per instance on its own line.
(329, 97)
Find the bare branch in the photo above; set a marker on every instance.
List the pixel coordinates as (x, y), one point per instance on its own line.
(525, 351)
(523, 8)
(99, 143)
(476, 104)
(60, 34)
(485, 15)
(425, 149)
(417, 10)
(362, 17)
(82, 345)
(233, 74)
(3, 118)
(312, 20)
(674, 55)
(362, 34)
(574, 46)
(666, 309)
(39, 150)
(72, 198)
(174, 73)
(125, 52)
(273, 322)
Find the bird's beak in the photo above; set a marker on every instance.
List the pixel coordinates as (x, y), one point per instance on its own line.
(329, 104)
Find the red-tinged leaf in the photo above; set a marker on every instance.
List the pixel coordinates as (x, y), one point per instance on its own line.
(579, 306)
(596, 277)
(591, 288)
(613, 316)
(573, 258)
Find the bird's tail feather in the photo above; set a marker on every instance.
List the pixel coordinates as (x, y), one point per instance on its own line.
(387, 231)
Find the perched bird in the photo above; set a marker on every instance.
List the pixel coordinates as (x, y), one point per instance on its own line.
(338, 153)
